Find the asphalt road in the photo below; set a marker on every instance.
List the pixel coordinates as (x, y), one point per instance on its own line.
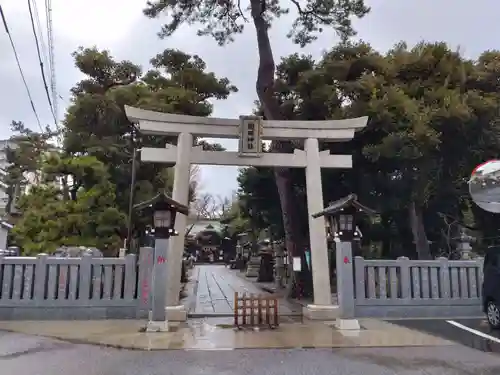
(25, 355)
(474, 333)
(488, 199)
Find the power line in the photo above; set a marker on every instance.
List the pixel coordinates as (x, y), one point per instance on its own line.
(50, 42)
(19, 67)
(53, 83)
(41, 62)
(41, 37)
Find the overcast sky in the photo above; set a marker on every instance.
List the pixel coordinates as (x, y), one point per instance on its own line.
(119, 26)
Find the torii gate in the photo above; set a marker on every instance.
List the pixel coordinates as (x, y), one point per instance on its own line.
(250, 130)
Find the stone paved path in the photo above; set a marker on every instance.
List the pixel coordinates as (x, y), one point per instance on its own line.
(215, 288)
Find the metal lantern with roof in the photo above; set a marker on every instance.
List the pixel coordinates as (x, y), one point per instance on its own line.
(164, 209)
(341, 216)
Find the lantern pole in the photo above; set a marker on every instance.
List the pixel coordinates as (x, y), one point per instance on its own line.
(158, 321)
(342, 217)
(159, 281)
(164, 214)
(164, 210)
(347, 231)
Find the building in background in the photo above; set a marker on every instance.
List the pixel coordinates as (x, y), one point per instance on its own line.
(30, 178)
(204, 238)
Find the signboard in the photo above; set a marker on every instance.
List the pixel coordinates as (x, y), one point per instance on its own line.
(297, 264)
(250, 135)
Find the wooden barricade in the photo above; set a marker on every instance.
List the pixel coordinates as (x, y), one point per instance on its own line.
(255, 311)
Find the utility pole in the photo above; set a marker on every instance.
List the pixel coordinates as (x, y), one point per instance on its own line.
(131, 199)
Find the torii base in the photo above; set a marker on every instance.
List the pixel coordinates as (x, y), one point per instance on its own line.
(162, 326)
(176, 313)
(347, 324)
(321, 312)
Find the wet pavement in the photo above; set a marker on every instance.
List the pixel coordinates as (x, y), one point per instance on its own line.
(214, 289)
(487, 195)
(411, 347)
(218, 334)
(474, 333)
(28, 355)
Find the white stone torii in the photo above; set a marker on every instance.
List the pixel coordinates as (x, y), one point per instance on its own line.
(184, 154)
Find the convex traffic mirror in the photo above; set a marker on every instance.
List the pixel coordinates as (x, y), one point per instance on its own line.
(484, 186)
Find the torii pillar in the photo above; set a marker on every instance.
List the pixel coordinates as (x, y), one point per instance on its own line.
(317, 235)
(174, 310)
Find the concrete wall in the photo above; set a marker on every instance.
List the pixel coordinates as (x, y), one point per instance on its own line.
(43, 287)
(406, 288)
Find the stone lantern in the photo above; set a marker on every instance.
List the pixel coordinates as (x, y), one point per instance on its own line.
(464, 247)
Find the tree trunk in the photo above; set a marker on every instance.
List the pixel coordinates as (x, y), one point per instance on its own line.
(65, 188)
(418, 230)
(267, 98)
(300, 284)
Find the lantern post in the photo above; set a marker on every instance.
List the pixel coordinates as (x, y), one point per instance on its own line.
(163, 210)
(341, 216)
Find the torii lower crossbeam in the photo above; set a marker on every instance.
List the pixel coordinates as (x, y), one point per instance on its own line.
(296, 160)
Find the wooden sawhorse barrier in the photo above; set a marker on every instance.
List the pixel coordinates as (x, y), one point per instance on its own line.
(252, 311)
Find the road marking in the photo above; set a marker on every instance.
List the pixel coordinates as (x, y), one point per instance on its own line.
(474, 331)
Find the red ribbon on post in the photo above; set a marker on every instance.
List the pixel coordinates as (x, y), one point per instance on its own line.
(160, 260)
(346, 260)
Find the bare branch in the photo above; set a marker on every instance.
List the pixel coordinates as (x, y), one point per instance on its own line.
(241, 12)
(206, 207)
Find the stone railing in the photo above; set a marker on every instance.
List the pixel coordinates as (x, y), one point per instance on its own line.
(412, 288)
(45, 287)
